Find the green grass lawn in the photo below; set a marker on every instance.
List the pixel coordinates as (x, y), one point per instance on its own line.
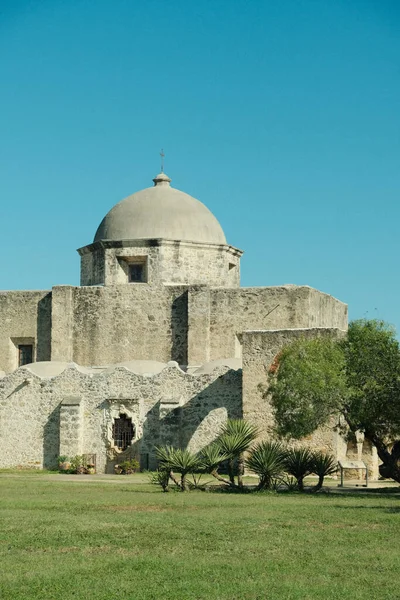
(123, 539)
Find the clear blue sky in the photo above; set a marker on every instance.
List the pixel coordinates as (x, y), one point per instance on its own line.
(282, 116)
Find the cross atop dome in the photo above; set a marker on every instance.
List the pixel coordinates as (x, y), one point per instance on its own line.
(162, 160)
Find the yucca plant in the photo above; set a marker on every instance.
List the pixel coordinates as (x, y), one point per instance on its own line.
(267, 460)
(322, 465)
(160, 477)
(175, 459)
(211, 458)
(299, 463)
(236, 437)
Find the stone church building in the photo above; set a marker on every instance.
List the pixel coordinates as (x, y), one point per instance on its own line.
(159, 344)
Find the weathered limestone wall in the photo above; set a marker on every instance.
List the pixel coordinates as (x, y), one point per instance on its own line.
(98, 325)
(92, 267)
(73, 413)
(62, 318)
(25, 318)
(168, 262)
(109, 324)
(259, 350)
(199, 325)
(113, 324)
(236, 310)
(326, 311)
(71, 426)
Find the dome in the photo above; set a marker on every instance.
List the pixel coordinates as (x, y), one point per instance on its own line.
(161, 212)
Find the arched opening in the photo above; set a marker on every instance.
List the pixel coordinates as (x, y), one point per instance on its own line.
(123, 432)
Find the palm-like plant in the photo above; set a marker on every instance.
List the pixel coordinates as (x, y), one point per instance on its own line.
(175, 459)
(236, 437)
(267, 460)
(323, 465)
(160, 477)
(211, 458)
(299, 463)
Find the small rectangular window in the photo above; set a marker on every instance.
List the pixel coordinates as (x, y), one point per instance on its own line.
(137, 273)
(25, 354)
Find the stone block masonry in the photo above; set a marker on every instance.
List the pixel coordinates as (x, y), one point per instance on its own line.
(72, 413)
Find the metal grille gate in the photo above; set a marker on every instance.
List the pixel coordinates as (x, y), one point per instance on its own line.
(123, 432)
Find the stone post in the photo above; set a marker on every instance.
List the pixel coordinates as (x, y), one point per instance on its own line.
(62, 319)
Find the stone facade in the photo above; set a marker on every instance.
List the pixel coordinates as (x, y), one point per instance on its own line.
(72, 412)
(25, 318)
(157, 332)
(193, 324)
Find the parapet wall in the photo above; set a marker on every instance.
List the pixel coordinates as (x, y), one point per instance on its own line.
(281, 307)
(112, 324)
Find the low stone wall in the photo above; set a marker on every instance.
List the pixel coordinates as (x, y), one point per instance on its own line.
(72, 413)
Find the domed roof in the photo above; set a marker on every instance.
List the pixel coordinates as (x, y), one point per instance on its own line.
(161, 212)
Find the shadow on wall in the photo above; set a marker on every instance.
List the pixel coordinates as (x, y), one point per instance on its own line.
(179, 329)
(51, 440)
(43, 329)
(177, 426)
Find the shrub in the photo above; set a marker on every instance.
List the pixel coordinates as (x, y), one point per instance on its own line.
(299, 463)
(267, 460)
(175, 459)
(323, 465)
(210, 459)
(127, 467)
(236, 437)
(160, 478)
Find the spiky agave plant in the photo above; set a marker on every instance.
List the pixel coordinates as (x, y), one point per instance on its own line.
(322, 465)
(236, 437)
(211, 458)
(267, 460)
(161, 478)
(299, 463)
(176, 459)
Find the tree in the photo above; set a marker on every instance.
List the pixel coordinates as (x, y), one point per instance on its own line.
(357, 378)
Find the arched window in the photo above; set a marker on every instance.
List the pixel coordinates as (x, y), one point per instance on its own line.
(123, 432)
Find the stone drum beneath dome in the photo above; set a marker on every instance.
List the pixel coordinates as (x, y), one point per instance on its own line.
(160, 235)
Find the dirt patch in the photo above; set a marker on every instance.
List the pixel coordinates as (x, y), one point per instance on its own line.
(105, 549)
(133, 508)
(366, 526)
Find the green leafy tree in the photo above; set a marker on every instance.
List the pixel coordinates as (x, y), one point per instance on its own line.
(357, 377)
